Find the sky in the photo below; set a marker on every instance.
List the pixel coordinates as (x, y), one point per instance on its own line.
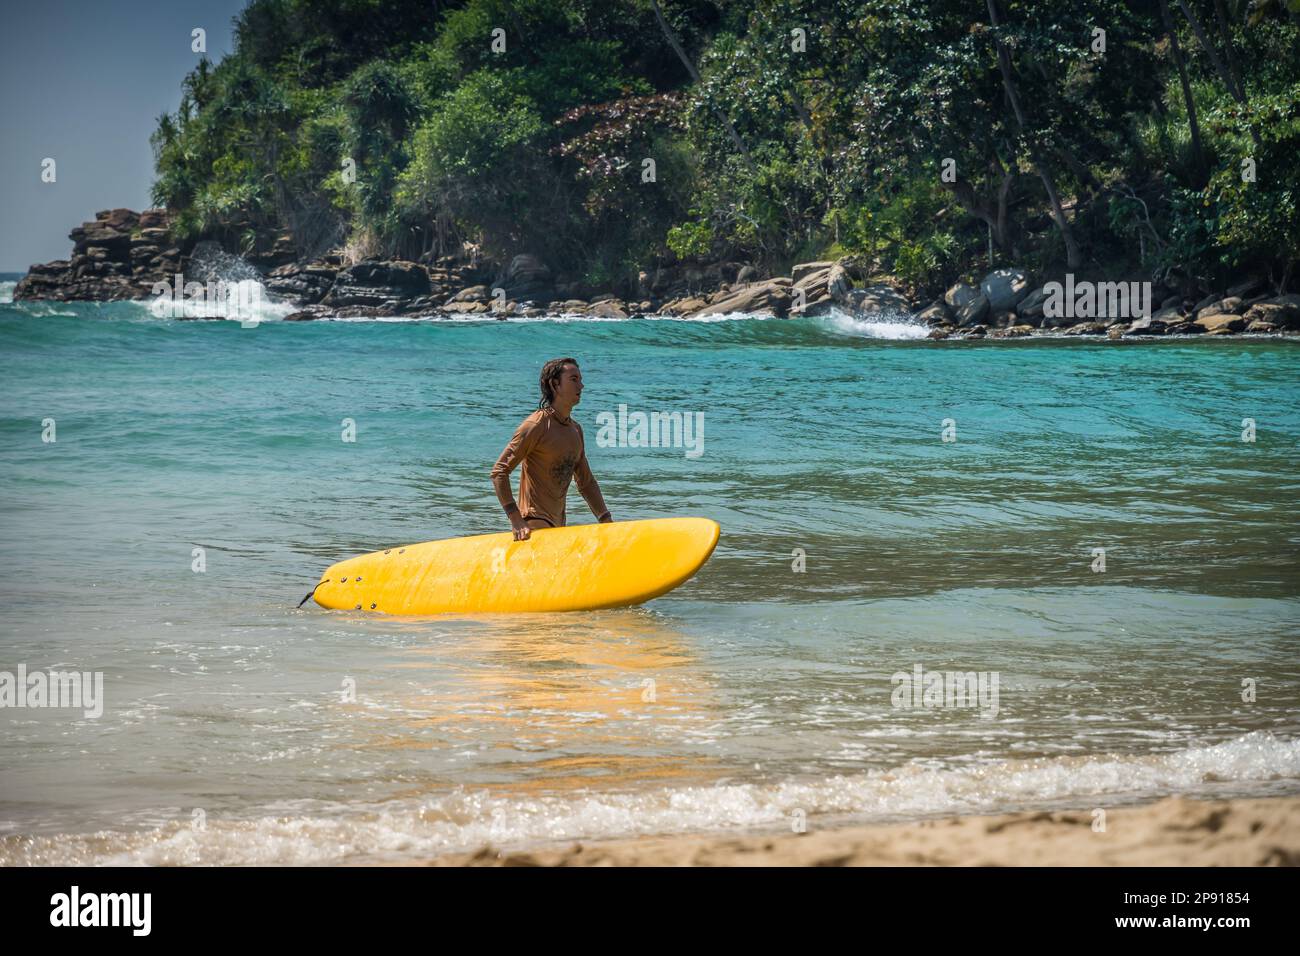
(84, 83)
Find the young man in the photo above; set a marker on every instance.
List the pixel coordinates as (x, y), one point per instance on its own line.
(549, 445)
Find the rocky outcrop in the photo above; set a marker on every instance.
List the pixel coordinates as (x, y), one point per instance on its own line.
(120, 254)
(1004, 288)
(304, 283)
(1219, 323)
(1283, 313)
(757, 298)
(527, 279)
(374, 283)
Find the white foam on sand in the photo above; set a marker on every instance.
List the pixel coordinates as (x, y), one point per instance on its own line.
(314, 832)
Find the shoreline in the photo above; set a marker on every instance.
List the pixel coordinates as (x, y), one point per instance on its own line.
(1173, 831)
(128, 255)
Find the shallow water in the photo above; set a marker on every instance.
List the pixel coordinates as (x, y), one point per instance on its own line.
(751, 694)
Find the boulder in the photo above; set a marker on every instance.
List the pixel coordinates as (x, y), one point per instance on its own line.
(119, 220)
(475, 293)
(1087, 328)
(155, 219)
(838, 283)
(1004, 288)
(527, 278)
(378, 283)
(878, 298)
(973, 312)
(608, 309)
(1146, 326)
(770, 298)
(960, 296)
(1204, 303)
(815, 285)
(1012, 332)
(1234, 305)
(1262, 327)
(1032, 304)
(686, 305)
(1220, 323)
(806, 268)
(466, 308)
(1282, 312)
(936, 313)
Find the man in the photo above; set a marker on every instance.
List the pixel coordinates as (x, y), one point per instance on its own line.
(549, 445)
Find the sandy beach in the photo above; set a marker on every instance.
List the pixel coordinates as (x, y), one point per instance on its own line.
(1171, 832)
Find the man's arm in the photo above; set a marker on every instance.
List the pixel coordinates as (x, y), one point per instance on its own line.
(515, 451)
(589, 490)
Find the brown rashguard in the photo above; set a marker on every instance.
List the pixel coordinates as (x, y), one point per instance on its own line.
(553, 454)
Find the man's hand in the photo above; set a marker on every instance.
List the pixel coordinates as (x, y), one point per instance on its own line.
(520, 528)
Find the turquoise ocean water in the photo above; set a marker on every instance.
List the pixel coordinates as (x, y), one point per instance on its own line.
(754, 695)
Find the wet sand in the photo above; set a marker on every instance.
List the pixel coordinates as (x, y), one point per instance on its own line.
(1172, 832)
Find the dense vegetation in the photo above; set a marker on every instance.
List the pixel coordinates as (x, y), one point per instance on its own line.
(780, 130)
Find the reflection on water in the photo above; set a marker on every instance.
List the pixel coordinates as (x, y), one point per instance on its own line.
(563, 701)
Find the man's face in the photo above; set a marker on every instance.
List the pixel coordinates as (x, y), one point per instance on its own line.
(568, 390)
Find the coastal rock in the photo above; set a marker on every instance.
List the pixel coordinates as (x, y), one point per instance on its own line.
(937, 334)
(377, 283)
(878, 298)
(1012, 332)
(1146, 326)
(303, 284)
(838, 283)
(760, 298)
(1262, 327)
(960, 296)
(936, 313)
(1032, 305)
(686, 305)
(1234, 305)
(1087, 328)
(1282, 312)
(1004, 288)
(815, 286)
(466, 308)
(527, 278)
(608, 309)
(1220, 323)
(974, 311)
(475, 293)
(804, 269)
(308, 314)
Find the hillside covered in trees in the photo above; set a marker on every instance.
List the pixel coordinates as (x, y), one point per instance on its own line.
(928, 138)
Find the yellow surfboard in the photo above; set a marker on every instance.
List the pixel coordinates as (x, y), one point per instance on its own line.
(577, 568)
